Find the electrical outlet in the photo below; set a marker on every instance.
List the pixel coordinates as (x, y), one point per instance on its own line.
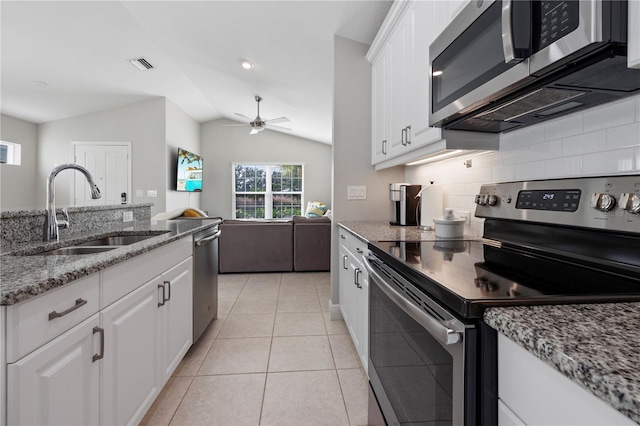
(152, 193)
(356, 192)
(463, 214)
(127, 216)
(139, 193)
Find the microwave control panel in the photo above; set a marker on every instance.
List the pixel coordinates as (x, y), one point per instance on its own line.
(557, 19)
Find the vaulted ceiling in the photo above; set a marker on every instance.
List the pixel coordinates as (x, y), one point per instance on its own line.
(65, 58)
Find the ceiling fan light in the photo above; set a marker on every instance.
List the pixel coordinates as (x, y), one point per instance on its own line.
(247, 65)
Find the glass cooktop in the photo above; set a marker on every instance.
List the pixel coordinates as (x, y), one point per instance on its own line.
(468, 275)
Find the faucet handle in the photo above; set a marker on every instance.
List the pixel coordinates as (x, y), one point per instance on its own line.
(65, 222)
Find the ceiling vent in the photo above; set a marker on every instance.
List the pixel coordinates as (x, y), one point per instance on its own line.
(141, 63)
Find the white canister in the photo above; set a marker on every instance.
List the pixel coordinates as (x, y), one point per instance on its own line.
(449, 228)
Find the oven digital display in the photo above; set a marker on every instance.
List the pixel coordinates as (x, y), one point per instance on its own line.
(566, 200)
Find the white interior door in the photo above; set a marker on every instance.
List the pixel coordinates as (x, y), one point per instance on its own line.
(110, 167)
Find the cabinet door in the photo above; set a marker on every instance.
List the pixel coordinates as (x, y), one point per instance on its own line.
(131, 364)
(420, 133)
(379, 107)
(345, 283)
(363, 317)
(176, 316)
(58, 384)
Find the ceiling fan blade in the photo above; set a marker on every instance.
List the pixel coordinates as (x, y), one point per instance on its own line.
(254, 131)
(243, 116)
(277, 120)
(271, 126)
(234, 125)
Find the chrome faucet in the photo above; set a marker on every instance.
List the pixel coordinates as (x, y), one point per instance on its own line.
(51, 222)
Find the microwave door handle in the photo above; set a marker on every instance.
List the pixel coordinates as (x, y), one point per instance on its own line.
(507, 33)
(516, 39)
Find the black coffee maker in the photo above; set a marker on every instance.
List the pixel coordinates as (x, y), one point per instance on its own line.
(404, 203)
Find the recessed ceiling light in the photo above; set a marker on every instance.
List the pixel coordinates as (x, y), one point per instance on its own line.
(247, 65)
(39, 84)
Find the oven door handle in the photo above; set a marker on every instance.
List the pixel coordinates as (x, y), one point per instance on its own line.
(436, 328)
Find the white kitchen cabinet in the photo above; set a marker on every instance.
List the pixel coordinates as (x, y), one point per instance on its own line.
(131, 364)
(176, 316)
(633, 48)
(379, 106)
(526, 383)
(59, 382)
(354, 292)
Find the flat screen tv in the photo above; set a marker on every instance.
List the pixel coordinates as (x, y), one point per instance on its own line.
(189, 171)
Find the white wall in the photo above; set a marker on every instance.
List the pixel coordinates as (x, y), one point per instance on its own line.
(352, 146)
(600, 141)
(143, 124)
(182, 132)
(222, 146)
(17, 183)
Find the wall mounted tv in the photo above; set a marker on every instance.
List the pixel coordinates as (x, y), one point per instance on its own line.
(189, 171)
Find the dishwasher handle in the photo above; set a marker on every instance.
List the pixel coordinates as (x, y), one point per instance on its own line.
(207, 240)
(436, 328)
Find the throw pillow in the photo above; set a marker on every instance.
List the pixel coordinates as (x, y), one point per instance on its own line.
(315, 209)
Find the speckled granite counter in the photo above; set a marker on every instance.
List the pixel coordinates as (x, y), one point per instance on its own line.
(597, 346)
(23, 276)
(383, 231)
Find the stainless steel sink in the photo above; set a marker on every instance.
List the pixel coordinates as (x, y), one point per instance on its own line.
(123, 240)
(75, 250)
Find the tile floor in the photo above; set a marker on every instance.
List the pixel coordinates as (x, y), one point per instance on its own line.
(273, 357)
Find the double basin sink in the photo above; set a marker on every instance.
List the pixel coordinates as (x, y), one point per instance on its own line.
(97, 246)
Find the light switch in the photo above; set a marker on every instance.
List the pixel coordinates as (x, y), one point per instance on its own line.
(356, 192)
(152, 193)
(127, 216)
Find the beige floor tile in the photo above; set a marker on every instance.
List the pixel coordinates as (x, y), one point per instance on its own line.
(247, 325)
(300, 303)
(225, 304)
(334, 326)
(354, 385)
(300, 353)
(255, 305)
(193, 359)
(303, 398)
(344, 353)
(222, 400)
(267, 277)
(296, 288)
(230, 289)
(166, 404)
(264, 289)
(235, 356)
(300, 277)
(299, 324)
(233, 278)
(214, 328)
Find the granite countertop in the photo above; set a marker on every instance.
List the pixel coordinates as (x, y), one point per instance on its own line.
(595, 345)
(383, 231)
(23, 275)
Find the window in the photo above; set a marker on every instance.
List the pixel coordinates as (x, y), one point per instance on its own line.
(267, 191)
(10, 153)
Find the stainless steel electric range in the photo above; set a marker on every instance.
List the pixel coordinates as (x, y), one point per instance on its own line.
(432, 359)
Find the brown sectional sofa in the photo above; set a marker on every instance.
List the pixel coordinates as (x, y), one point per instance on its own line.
(300, 244)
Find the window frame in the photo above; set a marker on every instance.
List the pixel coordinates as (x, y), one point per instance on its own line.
(269, 193)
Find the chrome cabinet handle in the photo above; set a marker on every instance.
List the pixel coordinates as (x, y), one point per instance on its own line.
(408, 133)
(99, 355)
(384, 147)
(164, 295)
(79, 302)
(344, 262)
(403, 137)
(356, 277)
(168, 283)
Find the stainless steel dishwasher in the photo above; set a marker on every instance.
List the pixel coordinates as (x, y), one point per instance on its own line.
(205, 279)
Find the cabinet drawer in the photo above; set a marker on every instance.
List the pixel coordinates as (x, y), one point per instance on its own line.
(122, 279)
(39, 320)
(352, 243)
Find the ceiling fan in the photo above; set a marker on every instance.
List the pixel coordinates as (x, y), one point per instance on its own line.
(258, 124)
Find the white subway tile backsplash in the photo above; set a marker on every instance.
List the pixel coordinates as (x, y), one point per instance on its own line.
(531, 170)
(545, 150)
(481, 175)
(503, 173)
(610, 115)
(585, 143)
(568, 125)
(529, 135)
(623, 136)
(563, 167)
(637, 108)
(609, 162)
(508, 141)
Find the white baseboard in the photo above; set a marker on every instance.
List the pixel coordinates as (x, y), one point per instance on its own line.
(334, 311)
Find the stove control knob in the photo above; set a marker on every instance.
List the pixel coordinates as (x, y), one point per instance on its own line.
(481, 199)
(603, 202)
(630, 202)
(492, 200)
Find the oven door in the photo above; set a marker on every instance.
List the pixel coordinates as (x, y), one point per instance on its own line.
(422, 364)
(481, 55)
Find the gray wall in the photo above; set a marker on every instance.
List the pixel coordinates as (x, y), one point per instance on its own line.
(222, 146)
(143, 124)
(352, 145)
(182, 132)
(18, 183)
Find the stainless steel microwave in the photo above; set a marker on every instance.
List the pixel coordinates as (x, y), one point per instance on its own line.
(505, 64)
